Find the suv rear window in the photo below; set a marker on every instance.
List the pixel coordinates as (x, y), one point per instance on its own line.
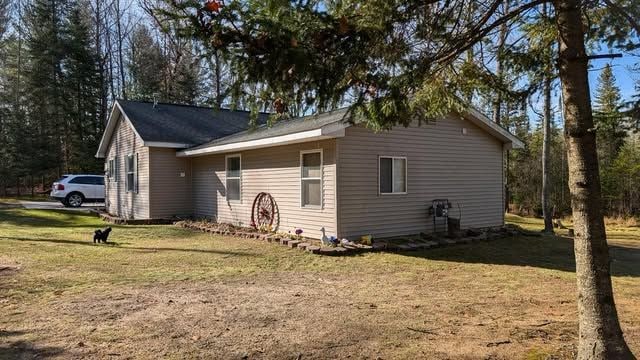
(87, 180)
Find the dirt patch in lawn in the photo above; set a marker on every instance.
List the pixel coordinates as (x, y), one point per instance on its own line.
(166, 292)
(293, 316)
(8, 266)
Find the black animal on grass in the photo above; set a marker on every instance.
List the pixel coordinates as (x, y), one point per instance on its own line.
(101, 236)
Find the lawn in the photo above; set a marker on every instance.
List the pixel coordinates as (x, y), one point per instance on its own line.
(162, 291)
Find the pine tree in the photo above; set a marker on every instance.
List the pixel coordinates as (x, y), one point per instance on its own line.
(626, 181)
(147, 66)
(13, 143)
(82, 84)
(47, 130)
(4, 17)
(608, 117)
(183, 74)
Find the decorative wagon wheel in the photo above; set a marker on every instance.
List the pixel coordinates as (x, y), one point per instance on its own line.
(264, 211)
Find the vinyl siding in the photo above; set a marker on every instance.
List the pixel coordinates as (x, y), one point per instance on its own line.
(441, 163)
(170, 194)
(275, 170)
(129, 205)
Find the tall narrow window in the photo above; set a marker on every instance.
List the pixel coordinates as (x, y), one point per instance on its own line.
(131, 168)
(311, 178)
(111, 169)
(233, 171)
(393, 175)
(116, 168)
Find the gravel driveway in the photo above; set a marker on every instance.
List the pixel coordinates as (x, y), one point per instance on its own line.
(49, 205)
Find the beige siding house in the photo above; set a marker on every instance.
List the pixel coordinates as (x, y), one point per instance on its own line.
(321, 171)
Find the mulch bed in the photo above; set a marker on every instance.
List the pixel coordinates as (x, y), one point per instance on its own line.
(401, 243)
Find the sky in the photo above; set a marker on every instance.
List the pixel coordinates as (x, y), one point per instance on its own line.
(625, 78)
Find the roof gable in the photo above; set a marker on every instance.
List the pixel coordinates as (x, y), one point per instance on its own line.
(203, 130)
(302, 129)
(175, 126)
(318, 127)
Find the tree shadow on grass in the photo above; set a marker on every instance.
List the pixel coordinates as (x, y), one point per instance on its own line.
(548, 252)
(48, 218)
(20, 349)
(76, 220)
(5, 333)
(26, 350)
(119, 246)
(57, 218)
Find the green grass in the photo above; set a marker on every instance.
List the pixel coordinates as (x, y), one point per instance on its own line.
(56, 262)
(15, 199)
(55, 251)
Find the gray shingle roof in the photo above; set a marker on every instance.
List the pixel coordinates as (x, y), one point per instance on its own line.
(283, 127)
(184, 124)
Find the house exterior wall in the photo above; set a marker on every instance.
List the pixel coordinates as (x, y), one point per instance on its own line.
(442, 162)
(275, 170)
(119, 202)
(169, 183)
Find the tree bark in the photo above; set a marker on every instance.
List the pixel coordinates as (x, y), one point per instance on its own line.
(546, 147)
(101, 66)
(502, 38)
(218, 80)
(600, 335)
(546, 140)
(123, 89)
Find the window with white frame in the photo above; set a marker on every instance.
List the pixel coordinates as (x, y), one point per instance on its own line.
(233, 176)
(311, 178)
(111, 169)
(131, 168)
(393, 175)
(116, 168)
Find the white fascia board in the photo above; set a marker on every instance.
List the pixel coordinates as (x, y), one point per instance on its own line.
(129, 122)
(328, 132)
(108, 131)
(161, 144)
(484, 122)
(110, 128)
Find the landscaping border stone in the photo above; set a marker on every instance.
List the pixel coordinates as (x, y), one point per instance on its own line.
(408, 243)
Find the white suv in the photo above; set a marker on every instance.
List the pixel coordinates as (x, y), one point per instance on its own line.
(73, 190)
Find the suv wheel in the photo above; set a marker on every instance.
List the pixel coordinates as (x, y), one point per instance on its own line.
(74, 199)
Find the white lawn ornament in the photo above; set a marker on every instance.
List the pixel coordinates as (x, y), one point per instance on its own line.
(325, 239)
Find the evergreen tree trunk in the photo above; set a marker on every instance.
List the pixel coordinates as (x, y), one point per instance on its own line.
(546, 141)
(219, 96)
(110, 65)
(600, 335)
(104, 111)
(546, 147)
(120, 51)
(497, 101)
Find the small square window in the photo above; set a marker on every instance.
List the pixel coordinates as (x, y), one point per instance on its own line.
(393, 175)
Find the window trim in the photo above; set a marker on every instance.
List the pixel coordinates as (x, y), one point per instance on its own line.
(406, 170)
(226, 178)
(116, 168)
(302, 153)
(111, 169)
(133, 171)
